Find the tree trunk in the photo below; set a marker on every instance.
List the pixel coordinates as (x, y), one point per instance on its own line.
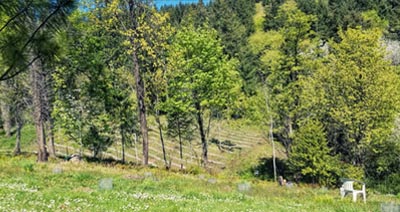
(38, 110)
(140, 94)
(204, 145)
(17, 149)
(122, 143)
(5, 114)
(48, 99)
(50, 129)
(180, 145)
(271, 132)
(162, 141)
(140, 87)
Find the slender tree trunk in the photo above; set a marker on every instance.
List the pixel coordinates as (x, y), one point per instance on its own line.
(202, 135)
(5, 114)
(122, 143)
(271, 134)
(50, 129)
(38, 107)
(162, 140)
(48, 97)
(17, 149)
(136, 152)
(180, 145)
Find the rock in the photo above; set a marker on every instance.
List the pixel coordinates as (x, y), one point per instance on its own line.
(212, 180)
(390, 207)
(106, 184)
(57, 170)
(244, 187)
(75, 158)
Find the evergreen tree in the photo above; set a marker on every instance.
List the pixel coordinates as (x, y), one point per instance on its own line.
(310, 156)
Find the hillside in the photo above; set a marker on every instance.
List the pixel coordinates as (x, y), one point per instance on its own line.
(236, 146)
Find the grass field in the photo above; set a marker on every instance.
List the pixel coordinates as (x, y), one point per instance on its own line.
(65, 186)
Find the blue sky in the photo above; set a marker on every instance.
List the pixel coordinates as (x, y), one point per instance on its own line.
(160, 3)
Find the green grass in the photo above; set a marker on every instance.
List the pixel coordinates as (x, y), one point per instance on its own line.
(26, 185)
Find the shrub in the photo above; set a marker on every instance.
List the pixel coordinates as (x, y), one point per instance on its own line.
(310, 156)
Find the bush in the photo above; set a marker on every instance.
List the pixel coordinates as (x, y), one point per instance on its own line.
(310, 156)
(390, 185)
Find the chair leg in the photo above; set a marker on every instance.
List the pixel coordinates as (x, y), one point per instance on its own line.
(354, 197)
(342, 193)
(364, 197)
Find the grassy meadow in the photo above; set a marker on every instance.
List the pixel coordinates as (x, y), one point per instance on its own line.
(65, 186)
(60, 185)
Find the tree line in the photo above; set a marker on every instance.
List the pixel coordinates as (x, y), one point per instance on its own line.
(316, 76)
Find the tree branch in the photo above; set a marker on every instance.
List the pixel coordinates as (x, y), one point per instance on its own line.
(7, 76)
(15, 16)
(44, 22)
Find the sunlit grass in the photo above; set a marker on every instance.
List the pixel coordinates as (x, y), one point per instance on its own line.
(59, 186)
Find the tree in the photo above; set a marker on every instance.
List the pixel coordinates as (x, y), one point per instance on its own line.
(360, 94)
(16, 94)
(5, 111)
(145, 32)
(310, 155)
(203, 73)
(288, 52)
(27, 36)
(93, 98)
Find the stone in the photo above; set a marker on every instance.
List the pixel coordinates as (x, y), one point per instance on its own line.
(57, 170)
(106, 184)
(212, 180)
(390, 207)
(244, 187)
(75, 158)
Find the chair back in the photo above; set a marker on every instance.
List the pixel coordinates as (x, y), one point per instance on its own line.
(348, 185)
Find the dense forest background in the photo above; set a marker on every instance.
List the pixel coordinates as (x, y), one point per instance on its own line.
(321, 78)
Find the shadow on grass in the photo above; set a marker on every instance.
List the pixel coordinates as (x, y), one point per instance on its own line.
(265, 171)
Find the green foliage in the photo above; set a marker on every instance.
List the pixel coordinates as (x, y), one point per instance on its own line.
(200, 77)
(93, 98)
(337, 14)
(201, 71)
(390, 184)
(27, 28)
(360, 93)
(287, 58)
(310, 156)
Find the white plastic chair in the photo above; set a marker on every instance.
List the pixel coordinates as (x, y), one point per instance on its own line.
(347, 187)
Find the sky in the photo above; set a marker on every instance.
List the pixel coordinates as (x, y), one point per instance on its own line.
(160, 3)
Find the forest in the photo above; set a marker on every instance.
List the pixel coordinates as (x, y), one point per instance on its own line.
(320, 79)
